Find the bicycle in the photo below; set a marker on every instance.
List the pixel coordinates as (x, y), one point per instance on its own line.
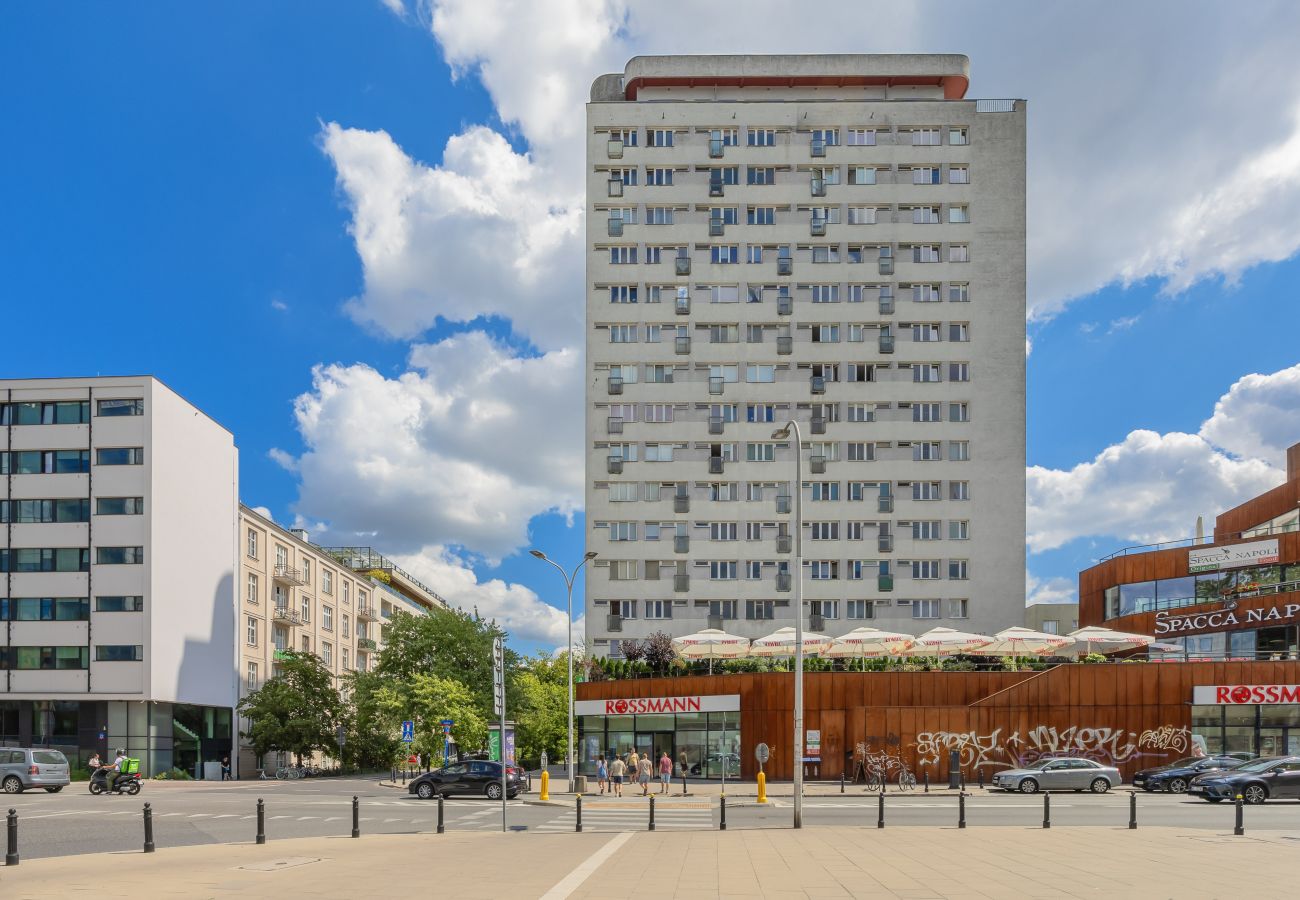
(906, 780)
(288, 773)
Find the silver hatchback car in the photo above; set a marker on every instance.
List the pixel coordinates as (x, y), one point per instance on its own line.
(22, 768)
(1059, 774)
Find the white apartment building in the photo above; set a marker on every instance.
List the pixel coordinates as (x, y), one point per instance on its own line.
(117, 580)
(838, 240)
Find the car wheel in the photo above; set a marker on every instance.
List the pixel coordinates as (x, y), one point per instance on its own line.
(1177, 786)
(54, 790)
(424, 790)
(13, 785)
(1099, 786)
(1254, 793)
(1028, 786)
(493, 791)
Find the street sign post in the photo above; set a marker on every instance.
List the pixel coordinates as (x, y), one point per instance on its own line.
(499, 707)
(408, 732)
(446, 739)
(761, 753)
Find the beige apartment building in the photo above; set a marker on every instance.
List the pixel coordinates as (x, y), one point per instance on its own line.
(330, 601)
(837, 240)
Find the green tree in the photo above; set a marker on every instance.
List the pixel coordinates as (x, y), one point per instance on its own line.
(448, 643)
(426, 700)
(541, 710)
(296, 711)
(371, 743)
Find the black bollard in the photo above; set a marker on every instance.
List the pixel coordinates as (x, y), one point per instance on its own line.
(841, 782)
(979, 773)
(11, 856)
(652, 813)
(1047, 810)
(683, 782)
(927, 781)
(577, 823)
(1238, 829)
(880, 810)
(440, 828)
(148, 829)
(961, 783)
(722, 823)
(356, 817)
(1132, 809)
(961, 810)
(261, 821)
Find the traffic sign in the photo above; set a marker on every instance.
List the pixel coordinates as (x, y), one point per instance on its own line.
(341, 736)
(408, 732)
(761, 753)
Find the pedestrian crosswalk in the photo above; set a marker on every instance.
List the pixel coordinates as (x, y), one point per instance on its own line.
(632, 817)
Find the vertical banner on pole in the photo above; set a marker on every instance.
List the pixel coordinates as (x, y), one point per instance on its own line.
(499, 708)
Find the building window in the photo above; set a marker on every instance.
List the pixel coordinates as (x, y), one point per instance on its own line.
(760, 610)
(306, 571)
(327, 618)
(958, 607)
(119, 556)
(251, 594)
(925, 609)
(119, 408)
(725, 609)
(861, 609)
(250, 630)
(281, 557)
(306, 644)
(659, 609)
(44, 511)
(119, 456)
(252, 676)
(119, 506)
(70, 412)
(44, 609)
(326, 581)
(346, 663)
(45, 658)
(119, 653)
(959, 530)
(306, 610)
(119, 604)
(347, 623)
(1051, 626)
(958, 175)
(44, 462)
(327, 653)
(957, 569)
(760, 137)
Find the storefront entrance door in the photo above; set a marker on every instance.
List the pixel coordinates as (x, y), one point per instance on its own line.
(652, 744)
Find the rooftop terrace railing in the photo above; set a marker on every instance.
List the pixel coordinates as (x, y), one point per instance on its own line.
(1206, 541)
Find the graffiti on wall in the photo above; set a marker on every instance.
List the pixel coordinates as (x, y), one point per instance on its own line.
(1111, 746)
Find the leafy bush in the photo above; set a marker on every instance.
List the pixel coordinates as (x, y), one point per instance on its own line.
(174, 775)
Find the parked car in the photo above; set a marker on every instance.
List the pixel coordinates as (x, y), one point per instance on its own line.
(1059, 774)
(471, 777)
(1276, 777)
(24, 767)
(1175, 777)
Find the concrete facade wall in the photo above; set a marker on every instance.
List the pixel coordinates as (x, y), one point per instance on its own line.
(994, 156)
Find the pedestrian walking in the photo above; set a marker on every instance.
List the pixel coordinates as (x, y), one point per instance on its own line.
(683, 769)
(665, 772)
(602, 773)
(633, 763)
(644, 768)
(225, 769)
(616, 769)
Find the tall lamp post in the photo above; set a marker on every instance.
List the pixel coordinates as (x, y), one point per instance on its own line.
(569, 578)
(782, 434)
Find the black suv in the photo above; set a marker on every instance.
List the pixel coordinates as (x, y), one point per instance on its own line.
(1276, 777)
(481, 777)
(1175, 777)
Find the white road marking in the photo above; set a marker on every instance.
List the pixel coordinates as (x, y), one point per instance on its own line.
(307, 818)
(198, 815)
(571, 882)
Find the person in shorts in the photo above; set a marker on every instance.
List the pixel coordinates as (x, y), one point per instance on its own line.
(644, 769)
(602, 773)
(665, 772)
(616, 770)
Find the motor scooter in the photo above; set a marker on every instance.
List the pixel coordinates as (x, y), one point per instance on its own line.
(126, 784)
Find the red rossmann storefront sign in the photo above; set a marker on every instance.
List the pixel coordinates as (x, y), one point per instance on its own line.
(1245, 694)
(649, 705)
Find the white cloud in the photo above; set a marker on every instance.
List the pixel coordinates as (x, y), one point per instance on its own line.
(482, 234)
(1122, 324)
(1049, 590)
(1151, 487)
(464, 449)
(517, 608)
(279, 305)
(396, 7)
(264, 512)
(283, 459)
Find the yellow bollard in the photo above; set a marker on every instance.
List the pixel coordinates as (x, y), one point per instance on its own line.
(546, 786)
(762, 788)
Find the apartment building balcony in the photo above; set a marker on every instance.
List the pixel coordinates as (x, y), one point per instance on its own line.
(614, 149)
(715, 188)
(784, 345)
(785, 265)
(816, 623)
(818, 424)
(783, 582)
(885, 505)
(682, 264)
(681, 584)
(886, 342)
(783, 504)
(884, 583)
(682, 345)
(717, 384)
(613, 622)
(289, 575)
(615, 187)
(817, 465)
(885, 265)
(615, 384)
(717, 227)
(817, 147)
(682, 306)
(886, 305)
(615, 226)
(817, 227)
(614, 465)
(681, 543)
(716, 622)
(367, 613)
(715, 424)
(681, 504)
(283, 615)
(784, 306)
(817, 384)
(716, 146)
(885, 543)
(614, 424)
(367, 644)
(784, 543)
(715, 465)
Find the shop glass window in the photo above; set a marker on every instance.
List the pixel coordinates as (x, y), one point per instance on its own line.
(1211, 585)
(1175, 592)
(1112, 602)
(1207, 726)
(1275, 716)
(1137, 597)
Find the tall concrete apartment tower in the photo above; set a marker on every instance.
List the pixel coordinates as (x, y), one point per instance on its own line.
(838, 240)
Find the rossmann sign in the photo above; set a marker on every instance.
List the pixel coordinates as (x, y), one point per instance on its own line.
(1245, 694)
(658, 705)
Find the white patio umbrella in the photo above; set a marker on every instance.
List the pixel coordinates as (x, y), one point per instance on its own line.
(943, 641)
(1018, 641)
(1096, 639)
(861, 643)
(782, 643)
(711, 644)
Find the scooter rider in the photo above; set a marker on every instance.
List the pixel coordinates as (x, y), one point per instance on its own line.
(114, 771)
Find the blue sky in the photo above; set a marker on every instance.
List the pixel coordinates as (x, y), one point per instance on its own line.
(275, 202)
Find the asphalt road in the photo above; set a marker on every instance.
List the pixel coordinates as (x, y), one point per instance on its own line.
(74, 821)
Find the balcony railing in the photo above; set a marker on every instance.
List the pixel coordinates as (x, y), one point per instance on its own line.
(614, 465)
(287, 616)
(681, 584)
(715, 148)
(783, 582)
(682, 345)
(368, 644)
(885, 543)
(715, 621)
(783, 504)
(884, 583)
(615, 226)
(717, 227)
(366, 613)
(784, 543)
(683, 265)
(683, 307)
(784, 345)
(817, 384)
(616, 384)
(816, 622)
(715, 424)
(681, 504)
(886, 306)
(885, 266)
(885, 504)
(614, 149)
(818, 424)
(785, 265)
(616, 187)
(817, 187)
(784, 306)
(614, 424)
(715, 188)
(886, 342)
(715, 465)
(681, 543)
(817, 227)
(613, 622)
(289, 575)
(817, 464)
(717, 384)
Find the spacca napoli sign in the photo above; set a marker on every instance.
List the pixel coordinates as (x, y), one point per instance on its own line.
(1234, 556)
(651, 705)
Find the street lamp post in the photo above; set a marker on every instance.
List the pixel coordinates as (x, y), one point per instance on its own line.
(781, 434)
(569, 578)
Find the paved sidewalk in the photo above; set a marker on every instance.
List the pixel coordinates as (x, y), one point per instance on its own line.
(773, 863)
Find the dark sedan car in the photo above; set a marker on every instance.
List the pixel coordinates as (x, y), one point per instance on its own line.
(1276, 777)
(480, 777)
(1175, 777)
